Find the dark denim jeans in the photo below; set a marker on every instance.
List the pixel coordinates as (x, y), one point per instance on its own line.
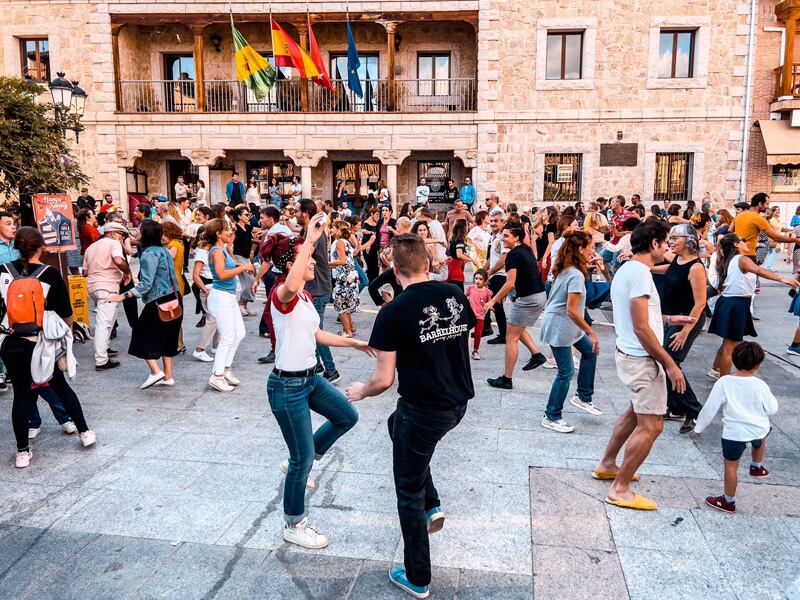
(495, 283)
(566, 369)
(59, 412)
(292, 399)
(323, 352)
(415, 433)
(686, 403)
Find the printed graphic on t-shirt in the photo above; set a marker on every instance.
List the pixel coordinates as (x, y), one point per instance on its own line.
(437, 327)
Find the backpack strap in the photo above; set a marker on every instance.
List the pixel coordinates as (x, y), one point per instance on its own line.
(38, 271)
(12, 271)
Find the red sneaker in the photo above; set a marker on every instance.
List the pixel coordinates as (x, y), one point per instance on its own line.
(720, 504)
(758, 472)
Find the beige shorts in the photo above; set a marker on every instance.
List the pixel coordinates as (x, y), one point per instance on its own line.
(646, 380)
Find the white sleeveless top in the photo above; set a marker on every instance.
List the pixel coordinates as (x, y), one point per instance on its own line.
(295, 326)
(738, 283)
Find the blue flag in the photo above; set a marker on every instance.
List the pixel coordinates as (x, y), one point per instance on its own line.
(353, 64)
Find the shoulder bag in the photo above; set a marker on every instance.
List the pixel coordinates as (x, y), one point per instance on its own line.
(169, 308)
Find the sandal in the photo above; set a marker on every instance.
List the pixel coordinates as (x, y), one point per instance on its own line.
(182, 350)
(476, 355)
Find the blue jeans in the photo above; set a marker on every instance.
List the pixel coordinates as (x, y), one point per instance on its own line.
(292, 399)
(566, 369)
(363, 281)
(773, 252)
(59, 412)
(323, 352)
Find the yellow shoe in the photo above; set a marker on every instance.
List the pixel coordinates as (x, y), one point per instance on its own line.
(638, 503)
(609, 475)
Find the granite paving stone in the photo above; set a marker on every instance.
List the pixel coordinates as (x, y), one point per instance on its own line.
(568, 573)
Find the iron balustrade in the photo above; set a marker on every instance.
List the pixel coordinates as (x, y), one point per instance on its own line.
(296, 95)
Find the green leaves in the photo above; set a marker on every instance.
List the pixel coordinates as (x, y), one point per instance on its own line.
(34, 156)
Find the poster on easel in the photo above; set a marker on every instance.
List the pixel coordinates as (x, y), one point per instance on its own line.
(55, 221)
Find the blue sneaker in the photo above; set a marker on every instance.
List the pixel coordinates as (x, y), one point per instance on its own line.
(397, 575)
(435, 519)
(793, 349)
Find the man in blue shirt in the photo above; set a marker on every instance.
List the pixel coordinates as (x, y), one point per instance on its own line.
(468, 194)
(234, 191)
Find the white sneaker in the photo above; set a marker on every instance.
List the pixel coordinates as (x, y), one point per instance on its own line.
(168, 382)
(69, 427)
(305, 535)
(211, 350)
(202, 356)
(550, 364)
(34, 432)
(310, 483)
(151, 380)
(230, 378)
(87, 438)
(23, 458)
(586, 406)
(561, 426)
(218, 383)
(713, 373)
(243, 311)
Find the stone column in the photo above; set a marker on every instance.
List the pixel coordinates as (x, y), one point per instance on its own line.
(199, 67)
(392, 159)
(204, 174)
(122, 173)
(115, 29)
(306, 160)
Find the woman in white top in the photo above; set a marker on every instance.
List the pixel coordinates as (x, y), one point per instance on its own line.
(294, 387)
(202, 193)
(737, 284)
(479, 236)
(252, 196)
(202, 278)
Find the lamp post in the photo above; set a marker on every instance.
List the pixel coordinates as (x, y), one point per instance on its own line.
(69, 102)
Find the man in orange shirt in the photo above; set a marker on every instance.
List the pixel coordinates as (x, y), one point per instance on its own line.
(749, 223)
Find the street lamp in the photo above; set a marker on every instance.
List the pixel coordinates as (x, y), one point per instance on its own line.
(69, 102)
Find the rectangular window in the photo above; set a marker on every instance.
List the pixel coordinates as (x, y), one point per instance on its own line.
(786, 178)
(433, 72)
(673, 176)
(564, 55)
(35, 54)
(676, 54)
(562, 177)
(368, 74)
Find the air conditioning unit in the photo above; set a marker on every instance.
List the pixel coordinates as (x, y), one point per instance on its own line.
(795, 120)
(773, 116)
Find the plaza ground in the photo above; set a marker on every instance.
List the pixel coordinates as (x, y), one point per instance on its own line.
(181, 497)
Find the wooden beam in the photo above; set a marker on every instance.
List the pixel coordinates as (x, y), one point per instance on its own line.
(199, 67)
(115, 29)
(188, 20)
(391, 30)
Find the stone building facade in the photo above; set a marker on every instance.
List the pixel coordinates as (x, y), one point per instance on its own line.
(537, 101)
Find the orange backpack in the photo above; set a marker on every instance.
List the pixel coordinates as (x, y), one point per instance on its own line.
(25, 301)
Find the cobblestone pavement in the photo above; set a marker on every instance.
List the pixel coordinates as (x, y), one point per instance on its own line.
(181, 497)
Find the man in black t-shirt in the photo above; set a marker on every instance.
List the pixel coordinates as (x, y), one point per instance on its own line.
(423, 333)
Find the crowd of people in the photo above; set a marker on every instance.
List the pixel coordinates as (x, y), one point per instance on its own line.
(443, 283)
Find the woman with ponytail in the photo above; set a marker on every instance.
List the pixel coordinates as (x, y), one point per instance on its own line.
(294, 387)
(564, 327)
(737, 284)
(16, 349)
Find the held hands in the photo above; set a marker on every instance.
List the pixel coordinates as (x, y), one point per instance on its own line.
(247, 267)
(116, 298)
(793, 283)
(681, 320)
(363, 347)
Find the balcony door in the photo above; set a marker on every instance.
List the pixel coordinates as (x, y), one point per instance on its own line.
(179, 83)
(368, 73)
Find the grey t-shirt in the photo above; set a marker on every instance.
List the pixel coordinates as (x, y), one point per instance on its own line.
(557, 328)
(321, 284)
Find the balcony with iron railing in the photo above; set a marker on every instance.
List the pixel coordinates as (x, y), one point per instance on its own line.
(297, 96)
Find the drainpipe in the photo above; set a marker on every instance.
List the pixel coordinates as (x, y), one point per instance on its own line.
(748, 100)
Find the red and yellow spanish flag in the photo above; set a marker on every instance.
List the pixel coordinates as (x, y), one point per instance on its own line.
(288, 54)
(323, 80)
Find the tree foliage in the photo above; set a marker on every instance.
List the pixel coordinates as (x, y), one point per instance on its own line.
(34, 155)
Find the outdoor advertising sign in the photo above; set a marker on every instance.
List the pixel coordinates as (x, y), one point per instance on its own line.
(55, 219)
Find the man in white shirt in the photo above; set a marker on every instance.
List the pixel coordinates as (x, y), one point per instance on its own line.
(496, 266)
(422, 193)
(641, 364)
(181, 190)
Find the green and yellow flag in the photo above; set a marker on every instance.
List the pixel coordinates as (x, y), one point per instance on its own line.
(251, 68)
